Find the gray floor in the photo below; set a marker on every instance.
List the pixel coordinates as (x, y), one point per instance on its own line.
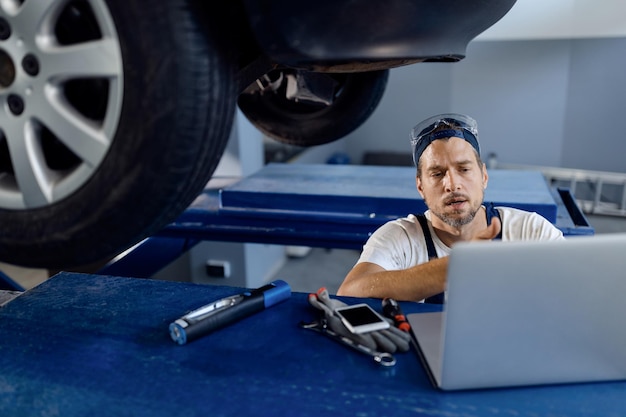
(319, 268)
(607, 224)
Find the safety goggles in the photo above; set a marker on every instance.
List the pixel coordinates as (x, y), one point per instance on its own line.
(443, 126)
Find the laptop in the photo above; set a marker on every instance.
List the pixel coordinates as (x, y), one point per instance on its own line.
(528, 313)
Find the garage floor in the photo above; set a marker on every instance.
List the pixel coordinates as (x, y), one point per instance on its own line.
(26, 277)
(319, 268)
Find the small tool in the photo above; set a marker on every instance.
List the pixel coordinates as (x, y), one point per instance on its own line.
(220, 313)
(391, 309)
(320, 326)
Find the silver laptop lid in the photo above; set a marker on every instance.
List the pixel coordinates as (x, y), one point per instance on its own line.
(525, 313)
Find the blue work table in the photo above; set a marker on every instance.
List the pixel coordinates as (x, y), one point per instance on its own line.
(90, 345)
(331, 206)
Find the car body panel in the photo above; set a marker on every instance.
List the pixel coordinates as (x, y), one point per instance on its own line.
(396, 32)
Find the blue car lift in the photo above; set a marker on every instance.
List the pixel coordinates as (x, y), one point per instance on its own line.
(331, 206)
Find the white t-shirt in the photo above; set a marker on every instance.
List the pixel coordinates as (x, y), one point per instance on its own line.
(400, 244)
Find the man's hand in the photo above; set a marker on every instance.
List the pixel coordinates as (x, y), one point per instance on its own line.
(490, 231)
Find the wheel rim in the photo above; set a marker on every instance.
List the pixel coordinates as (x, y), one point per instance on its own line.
(61, 87)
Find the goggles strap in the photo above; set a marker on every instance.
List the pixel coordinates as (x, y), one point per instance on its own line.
(426, 140)
(448, 133)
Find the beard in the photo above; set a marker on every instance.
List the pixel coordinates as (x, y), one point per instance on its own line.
(456, 218)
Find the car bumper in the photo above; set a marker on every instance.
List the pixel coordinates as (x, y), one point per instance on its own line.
(390, 33)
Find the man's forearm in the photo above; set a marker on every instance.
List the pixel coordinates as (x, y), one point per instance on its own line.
(414, 284)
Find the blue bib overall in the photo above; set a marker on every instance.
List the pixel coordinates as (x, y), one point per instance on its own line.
(430, 245)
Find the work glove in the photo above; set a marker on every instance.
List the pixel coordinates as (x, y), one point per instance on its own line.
(389, 340)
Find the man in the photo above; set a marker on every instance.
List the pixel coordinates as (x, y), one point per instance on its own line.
(406, 259)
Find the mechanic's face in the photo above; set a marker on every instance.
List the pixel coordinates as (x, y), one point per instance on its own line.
(452, 182)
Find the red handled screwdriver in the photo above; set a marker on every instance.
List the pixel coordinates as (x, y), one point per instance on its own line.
(391, 309)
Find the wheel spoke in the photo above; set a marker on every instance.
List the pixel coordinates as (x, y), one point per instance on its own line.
(33, 16)
(89, 59)
(81, 136)
(28, 163)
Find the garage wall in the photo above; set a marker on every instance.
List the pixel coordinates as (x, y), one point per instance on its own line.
(538, 102)
(595, 137)
(517, 91)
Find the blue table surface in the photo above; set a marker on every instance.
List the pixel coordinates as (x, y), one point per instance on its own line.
(94, 345)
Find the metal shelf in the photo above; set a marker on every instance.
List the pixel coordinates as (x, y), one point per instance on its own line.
(596, 192)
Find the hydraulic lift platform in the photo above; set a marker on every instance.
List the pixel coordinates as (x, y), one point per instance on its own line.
(323, 205)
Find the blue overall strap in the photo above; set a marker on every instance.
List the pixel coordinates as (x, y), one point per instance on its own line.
(432, 254)
(430, 245)
(491, 212)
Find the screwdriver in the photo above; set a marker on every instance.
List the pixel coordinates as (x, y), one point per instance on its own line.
(391, 309)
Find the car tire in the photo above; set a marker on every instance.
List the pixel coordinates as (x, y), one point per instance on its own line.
(306, 124)
(163, 126)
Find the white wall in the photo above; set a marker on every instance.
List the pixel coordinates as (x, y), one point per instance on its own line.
(560, 19)
(538, 102)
